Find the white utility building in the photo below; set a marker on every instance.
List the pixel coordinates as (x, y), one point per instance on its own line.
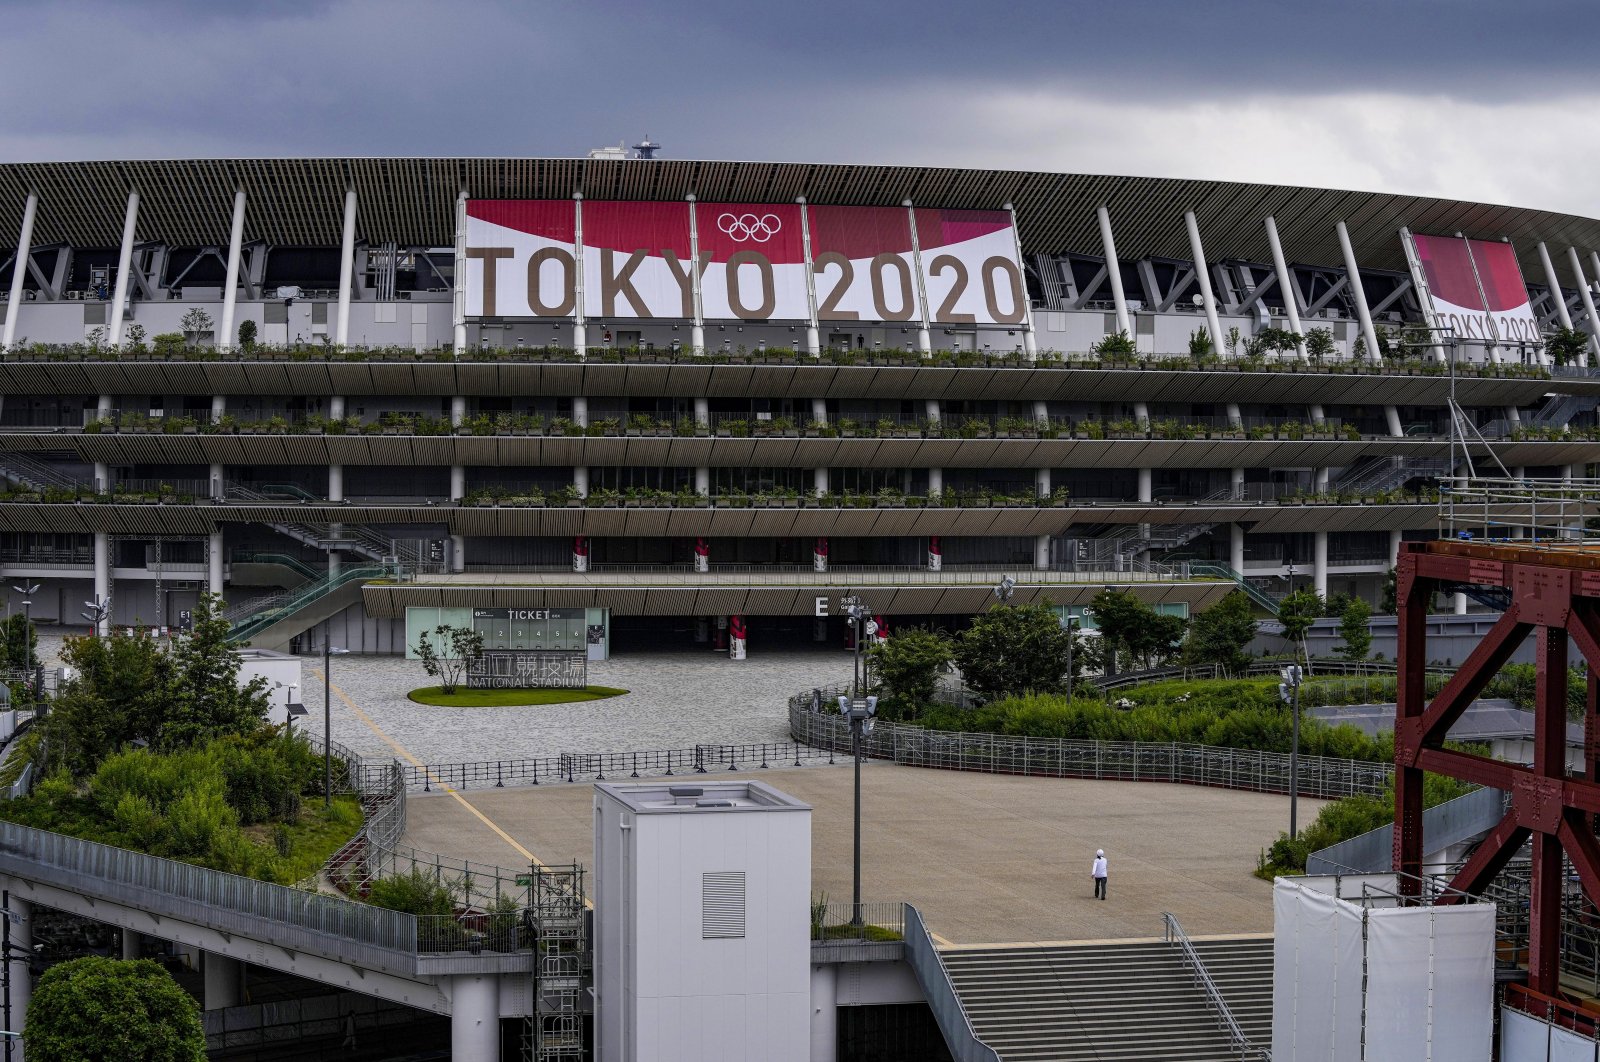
(702, 945)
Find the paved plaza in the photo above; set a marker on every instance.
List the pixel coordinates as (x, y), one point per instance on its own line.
(987, 858)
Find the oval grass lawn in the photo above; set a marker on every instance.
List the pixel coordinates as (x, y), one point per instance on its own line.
(465, 698)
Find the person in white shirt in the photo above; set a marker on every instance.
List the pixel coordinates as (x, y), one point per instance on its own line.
(1099, 872)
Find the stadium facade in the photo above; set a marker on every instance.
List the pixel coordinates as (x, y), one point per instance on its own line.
(582, 400)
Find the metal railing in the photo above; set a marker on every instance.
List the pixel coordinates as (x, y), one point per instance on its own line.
(805, 575)
(879, 922)
(1237, 1040)
(923, 957)
(261, 613)
(1322, 777)
(599, 766)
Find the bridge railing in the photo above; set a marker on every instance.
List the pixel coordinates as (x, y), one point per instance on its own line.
(923, 957)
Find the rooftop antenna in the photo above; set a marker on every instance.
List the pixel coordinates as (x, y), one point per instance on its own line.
(646, 148)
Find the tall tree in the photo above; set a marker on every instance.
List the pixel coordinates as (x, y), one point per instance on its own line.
(115, 695)
(1355, 630)
(1132, 631)
(1298, 612)
(1013, 649)
(458, 649)
(1221, 634)
(908, 666)
(96, 1009)
(204, 697)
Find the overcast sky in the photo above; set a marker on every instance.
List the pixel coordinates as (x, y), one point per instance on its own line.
(1462, 98)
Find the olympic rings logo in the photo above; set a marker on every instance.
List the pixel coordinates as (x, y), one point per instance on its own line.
(741, 227)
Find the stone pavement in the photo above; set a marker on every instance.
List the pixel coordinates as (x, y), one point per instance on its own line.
(675, 700)
(987, 858)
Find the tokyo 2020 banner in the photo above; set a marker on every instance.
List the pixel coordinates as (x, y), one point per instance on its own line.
(1474, 288)
(742, 261)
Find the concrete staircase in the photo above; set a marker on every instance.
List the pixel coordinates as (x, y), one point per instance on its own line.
(1112, 1001)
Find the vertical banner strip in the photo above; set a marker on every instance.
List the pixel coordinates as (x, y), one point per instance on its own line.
(580, 344)
(458, 280)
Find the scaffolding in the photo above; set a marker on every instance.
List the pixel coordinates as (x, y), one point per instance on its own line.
(1544, 514)
(558, 918)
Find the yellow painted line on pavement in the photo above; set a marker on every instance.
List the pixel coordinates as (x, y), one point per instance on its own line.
(405, 754)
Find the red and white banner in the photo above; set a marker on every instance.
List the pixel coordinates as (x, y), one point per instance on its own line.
(580, 553)
(1475, 288)
(736, 637)
(935, 554)
(819, 555)
(702, 555)
(639, 259)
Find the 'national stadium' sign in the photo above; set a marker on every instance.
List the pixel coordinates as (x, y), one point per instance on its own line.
(740, 261)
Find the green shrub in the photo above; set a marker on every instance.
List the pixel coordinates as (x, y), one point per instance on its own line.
(96, 1009)
(418, 893)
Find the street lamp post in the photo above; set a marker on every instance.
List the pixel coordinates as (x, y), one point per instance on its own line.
(857, 612)
(1289, 692)
(27, 593)
(328, 653)
(1072, 627)
(860, 711)
(98, 613)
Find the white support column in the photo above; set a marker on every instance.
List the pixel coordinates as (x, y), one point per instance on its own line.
(1041, 553)
(1291, 303)
(702, 412)
(347, 265)
(18, 975)
(1202, 274)
(214, 563)
(1319, 563)
(226, 337)
(458, 473)
(1146, 485)
(1235, 418)
(102, 576)
(1236, 547)
(1587, 295)
(1320, 479)
(824, 1006)
(132, 943)
(1358, 293)
(1395, 538)
(580, 480)
(1551, 279)
(702, 479)
(935, 481)
(931, 411)
(1391, 415)
(1041, 412)
(580, 411)
(19, 270)
(924, 329)
(336, 483)
(819, 410)
(1236, 481)
(458, 302)
(1108, 242)
(1460, 604)
(1318, 414)
(475, 1018)
(458, 553)
(813, 328)
(580, 330)
(1041, 482)
(1030, 339)
(221, 981)
(1141, 414)
(819, 481)
(119, 294)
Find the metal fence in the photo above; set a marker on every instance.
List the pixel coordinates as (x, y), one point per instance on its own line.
(839, 922)
(600, 766)
(1322, 777)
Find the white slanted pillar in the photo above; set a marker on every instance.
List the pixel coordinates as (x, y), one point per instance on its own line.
(580, 417)
(1202, 274)
(1108, 243)
(347, 265)
(1358, 293)
(924, 328)
(1319, 563)
(1030, 338)
(813, 328)
(214, 563)
(1041, 546)
(458, 316)
(119, 296)
(226, 336)
(1286, 288)
(1236, 547)
(580, 331)
(19, 271)
(102, 577)
(1550, 278)
(1587, 295)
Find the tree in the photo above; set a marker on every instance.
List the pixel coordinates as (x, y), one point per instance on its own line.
(196, 324)
(133, 336)
(1566, 345)
(908, 667)
(458, 650)
(1297, 612)
(1355, 630)
(1014, 649)
(96, 1009)
(1221, 633)
(1132, 631)
(203, 696)
(247, 333)
(19, 642)
(1319, 344)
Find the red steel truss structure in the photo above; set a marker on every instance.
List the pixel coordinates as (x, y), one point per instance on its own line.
(1554, 596)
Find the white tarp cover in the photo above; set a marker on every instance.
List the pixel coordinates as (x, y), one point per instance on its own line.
(1428, 972)
(1316, 975)
(1524, 1038)
(1430, 983)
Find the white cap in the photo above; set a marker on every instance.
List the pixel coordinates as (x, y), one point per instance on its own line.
(1099, 853)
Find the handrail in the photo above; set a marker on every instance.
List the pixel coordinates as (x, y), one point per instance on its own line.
(265, 612)
(1219, 1006)
(923, 958)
